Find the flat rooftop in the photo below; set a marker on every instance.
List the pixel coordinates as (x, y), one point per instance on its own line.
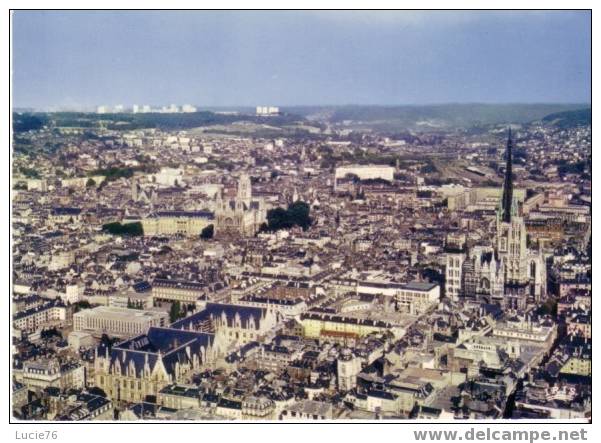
(124, 314)
(420, 286)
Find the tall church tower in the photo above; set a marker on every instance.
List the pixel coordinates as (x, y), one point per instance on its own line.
(507, 196)
(511, 230)
(244, 190)
(135, 190)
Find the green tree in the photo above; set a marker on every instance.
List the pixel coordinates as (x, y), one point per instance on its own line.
(30, 172)
(549, 307)
(207, 232)
(278, 219)
(28, 122)
(83, 304)
(175, 312)
(134, 229)
(297, 214)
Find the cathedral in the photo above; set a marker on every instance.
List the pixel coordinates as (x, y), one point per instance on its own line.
(241, 216)
(507, 272)
(524, 269)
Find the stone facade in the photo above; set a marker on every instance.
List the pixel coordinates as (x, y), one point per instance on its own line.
(241, 216)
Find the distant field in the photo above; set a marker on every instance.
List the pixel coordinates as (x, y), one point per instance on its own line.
(432, 117)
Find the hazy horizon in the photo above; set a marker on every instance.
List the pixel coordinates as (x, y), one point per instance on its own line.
(217, 59)
(202, 108)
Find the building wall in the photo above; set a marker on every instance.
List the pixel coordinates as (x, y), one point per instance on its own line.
(347, 371)
(127, 388)
(366, 172)
(43, 317)
(453, 275)
(187, 226)
(101, 320)
(50, 375)
(579, 366)
(183, 295)
(312, 328)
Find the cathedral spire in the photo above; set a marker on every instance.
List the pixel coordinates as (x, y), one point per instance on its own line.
(507, 198)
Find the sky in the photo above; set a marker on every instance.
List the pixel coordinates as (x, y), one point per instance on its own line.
(76, 59)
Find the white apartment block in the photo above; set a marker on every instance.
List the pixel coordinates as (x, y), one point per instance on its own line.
(48, 314)
(267, 110)
(118, 321)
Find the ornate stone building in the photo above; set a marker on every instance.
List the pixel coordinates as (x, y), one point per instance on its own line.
(145, 364)
(483, 275)
(238, 324)
(241, 216)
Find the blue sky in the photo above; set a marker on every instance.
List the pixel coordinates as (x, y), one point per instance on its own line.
(82, 59)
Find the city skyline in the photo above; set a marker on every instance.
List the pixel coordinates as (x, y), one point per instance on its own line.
(78, 60)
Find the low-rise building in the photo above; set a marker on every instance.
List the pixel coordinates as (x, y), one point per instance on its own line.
(185, 223)
(41, 374)
(307, 410)
(186, 292)
(118, 321)
(50, 313)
